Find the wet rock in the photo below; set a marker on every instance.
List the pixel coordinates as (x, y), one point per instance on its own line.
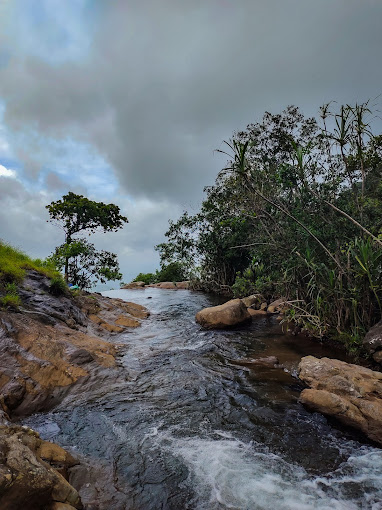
(268, 361)
(127, 322)
(112, 328)
(350, 393)
(229, 314)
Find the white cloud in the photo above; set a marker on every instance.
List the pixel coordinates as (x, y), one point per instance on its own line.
(7, 172)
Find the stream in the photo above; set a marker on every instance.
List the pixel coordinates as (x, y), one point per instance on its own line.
(182, 427)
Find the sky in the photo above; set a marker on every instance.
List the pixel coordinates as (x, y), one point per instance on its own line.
(125, 101)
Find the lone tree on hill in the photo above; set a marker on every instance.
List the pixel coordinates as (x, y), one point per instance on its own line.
(82, 263)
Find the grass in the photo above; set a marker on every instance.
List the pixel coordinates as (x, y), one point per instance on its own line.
(14, 263)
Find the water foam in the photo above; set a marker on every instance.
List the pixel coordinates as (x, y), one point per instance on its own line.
(227, 473)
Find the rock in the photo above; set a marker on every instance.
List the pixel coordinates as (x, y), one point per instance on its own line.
(269, 361)
(277, 305)
(229, 314)
(134, 285)
(263, 305)
(373, 338)
(128, 322)
(254, 300)
(377, 356)
(183, 285)
(167, 285)
(257, 313)
(27, 481)
(94, 318)
(350, 393)
(112, 328)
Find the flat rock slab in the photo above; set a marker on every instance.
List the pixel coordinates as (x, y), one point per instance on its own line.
(229, 314)
(350, 393)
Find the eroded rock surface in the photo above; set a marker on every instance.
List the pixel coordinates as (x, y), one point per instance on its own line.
(373, 342)
(229, 314)
(32, 472)
(350, 393)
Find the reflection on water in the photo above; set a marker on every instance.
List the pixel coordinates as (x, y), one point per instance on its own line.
(182, 427)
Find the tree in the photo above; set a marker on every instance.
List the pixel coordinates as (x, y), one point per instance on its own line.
(82, 263)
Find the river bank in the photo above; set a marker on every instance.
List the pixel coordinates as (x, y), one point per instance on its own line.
(51, 346)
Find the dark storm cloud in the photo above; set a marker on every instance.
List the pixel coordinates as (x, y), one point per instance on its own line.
(164, 82)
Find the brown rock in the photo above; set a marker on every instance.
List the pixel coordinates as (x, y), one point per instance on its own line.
(229, 314)
(183, 285)
(134, 285)
(277, 305)
(128, 322)
(257, 313)
(168, 285)
(377, 356)
(25, 480)
(254, 300)
(350, 393)
(95, 319)
(263, 305)
(112, 328)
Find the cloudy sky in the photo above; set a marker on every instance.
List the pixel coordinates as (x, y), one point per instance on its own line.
(124, 101)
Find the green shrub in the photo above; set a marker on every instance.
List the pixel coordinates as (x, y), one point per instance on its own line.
(173, 272)
(58, 286)
(10, 300)
(148, 278)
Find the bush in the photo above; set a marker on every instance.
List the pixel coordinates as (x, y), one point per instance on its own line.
(10, 300)
(148, 278)
(58, 286)
(173, 272)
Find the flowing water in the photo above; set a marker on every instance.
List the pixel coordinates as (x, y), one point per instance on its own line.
(186, 428)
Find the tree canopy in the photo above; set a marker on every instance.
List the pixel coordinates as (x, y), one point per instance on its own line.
(82, 263)
(296, 211)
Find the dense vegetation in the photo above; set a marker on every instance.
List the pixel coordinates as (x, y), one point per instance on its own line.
(83, 265)
(296, 213)
(172, 272)
(13, 266)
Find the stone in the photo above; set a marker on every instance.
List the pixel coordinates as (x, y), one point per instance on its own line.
(352, 394)
(128, 322)
(373, 338)
(257, 313)
(263, 305)
(276, 306)
(254, 300)
(183, 285)
(377, 356)
(229, 314)
(134, 285)
(168, 285)
(269, 361)
(112, 328)
(94, 318)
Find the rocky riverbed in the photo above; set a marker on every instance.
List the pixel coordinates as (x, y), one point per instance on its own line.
(48, 347)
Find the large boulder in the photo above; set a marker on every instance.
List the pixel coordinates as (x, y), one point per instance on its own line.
(350, 393)
(229, 314)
